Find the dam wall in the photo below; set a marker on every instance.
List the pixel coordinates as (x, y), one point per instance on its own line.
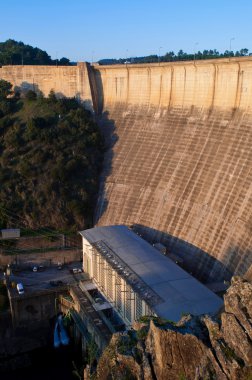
(178, 168)
(66, 81)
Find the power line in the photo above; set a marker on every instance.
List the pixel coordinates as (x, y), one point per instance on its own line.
(43, 232)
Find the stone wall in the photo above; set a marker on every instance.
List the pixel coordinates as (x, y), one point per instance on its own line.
(42, 258)
(66, 81)
(34, 308)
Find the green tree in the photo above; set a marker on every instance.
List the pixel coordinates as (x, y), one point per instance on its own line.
(50, 153)
(244, 52)
(52, 96)
(17, 53)
(5, 89)
(64, 61)
(31, 95)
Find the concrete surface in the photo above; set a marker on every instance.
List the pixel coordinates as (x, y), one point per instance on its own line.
(36, 281)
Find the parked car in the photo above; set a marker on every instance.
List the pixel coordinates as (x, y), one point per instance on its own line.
(20, 288)
(76, 270)
(56, 283)
(38, 268)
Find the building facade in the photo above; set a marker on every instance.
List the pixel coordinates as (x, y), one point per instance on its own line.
(112, 278)
(139, 280)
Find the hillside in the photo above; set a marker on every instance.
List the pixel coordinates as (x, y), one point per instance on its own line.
(17, 53)
(50, 156)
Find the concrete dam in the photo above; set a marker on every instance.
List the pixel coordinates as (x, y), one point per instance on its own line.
(179, 164)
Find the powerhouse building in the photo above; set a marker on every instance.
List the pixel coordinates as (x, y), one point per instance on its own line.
(139, 280)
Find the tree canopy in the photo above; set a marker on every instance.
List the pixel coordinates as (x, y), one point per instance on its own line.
(172, 57)
(50, 158)
(5, 89)
(17, 53)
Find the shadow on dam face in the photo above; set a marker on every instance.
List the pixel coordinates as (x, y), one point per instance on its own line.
(199, 263)
(108, 128)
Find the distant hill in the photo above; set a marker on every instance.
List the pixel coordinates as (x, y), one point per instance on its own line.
(17, 53)
(50, 158)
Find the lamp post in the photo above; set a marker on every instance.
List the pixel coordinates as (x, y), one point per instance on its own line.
(194, 53)
(230, 46)
(159, 49)
(230, 43)
(126, 53)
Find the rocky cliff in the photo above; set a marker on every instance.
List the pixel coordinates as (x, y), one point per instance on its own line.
(194, 349)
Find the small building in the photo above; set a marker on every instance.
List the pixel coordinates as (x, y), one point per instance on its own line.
(10, 233)
(139, 280)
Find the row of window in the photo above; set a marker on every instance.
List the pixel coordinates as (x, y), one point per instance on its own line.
(129, 305)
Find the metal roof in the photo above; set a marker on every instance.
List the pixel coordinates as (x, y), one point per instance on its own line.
(181, 293)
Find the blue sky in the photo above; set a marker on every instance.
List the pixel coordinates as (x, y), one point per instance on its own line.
(82, 29)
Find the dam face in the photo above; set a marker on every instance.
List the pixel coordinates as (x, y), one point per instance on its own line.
(179, 164)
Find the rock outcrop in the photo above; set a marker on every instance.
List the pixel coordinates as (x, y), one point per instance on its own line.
(203, 348)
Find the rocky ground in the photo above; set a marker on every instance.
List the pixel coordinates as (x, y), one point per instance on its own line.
(193, 349)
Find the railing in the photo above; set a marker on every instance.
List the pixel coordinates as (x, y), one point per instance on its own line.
(87, 316)
(100, 313)
(138, 285)
(80, 324)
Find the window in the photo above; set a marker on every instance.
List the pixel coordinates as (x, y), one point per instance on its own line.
(139, 307)
(110, 289)
(102, 273)
(95, 266)
(118, 286)
(128, 297)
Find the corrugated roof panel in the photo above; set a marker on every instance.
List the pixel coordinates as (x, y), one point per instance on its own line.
(181, 292)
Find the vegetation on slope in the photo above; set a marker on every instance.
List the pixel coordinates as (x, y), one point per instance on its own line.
(50, 157)
(4, 301)
(17, 53)
(180, 56)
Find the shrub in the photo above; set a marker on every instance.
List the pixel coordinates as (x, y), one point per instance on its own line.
(31, 95)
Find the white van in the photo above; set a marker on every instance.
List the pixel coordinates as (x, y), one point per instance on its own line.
(20, 288)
